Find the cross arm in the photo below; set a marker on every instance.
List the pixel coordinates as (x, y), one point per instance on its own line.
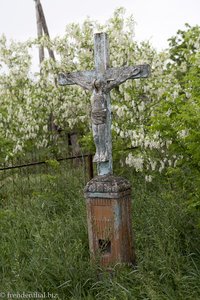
(116, 76)
(84, 79)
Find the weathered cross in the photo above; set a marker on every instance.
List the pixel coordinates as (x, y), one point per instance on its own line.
(101, 81)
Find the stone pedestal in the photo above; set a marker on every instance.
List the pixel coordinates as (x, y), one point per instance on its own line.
(108, 201)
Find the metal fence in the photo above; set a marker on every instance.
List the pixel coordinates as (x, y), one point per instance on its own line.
(18, 177)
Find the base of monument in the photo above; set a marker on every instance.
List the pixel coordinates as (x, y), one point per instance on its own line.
(108, 200)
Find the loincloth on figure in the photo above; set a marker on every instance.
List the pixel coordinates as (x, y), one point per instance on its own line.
(99, 116)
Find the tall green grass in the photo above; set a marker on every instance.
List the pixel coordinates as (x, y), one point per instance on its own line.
(44, 242)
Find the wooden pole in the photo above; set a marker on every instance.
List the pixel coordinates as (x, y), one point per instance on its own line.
(43, 29)
(44, 26)
(39, 30)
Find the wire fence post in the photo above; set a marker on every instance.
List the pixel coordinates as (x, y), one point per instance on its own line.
(90, 166)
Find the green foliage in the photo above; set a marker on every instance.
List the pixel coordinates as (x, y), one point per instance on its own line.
(178, 114)
(184, 44)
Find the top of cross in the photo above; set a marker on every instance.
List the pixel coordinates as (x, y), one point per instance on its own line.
(111, 76)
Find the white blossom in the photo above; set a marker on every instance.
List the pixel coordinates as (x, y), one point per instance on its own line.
(136, 162)
(148, 178)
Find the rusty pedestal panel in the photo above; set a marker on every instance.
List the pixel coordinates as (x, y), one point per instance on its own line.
(109, 220)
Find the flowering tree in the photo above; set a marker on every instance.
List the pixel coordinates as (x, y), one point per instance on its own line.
(147, 114)
(27, 101)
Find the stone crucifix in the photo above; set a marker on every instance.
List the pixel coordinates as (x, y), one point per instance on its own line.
(100, 82)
